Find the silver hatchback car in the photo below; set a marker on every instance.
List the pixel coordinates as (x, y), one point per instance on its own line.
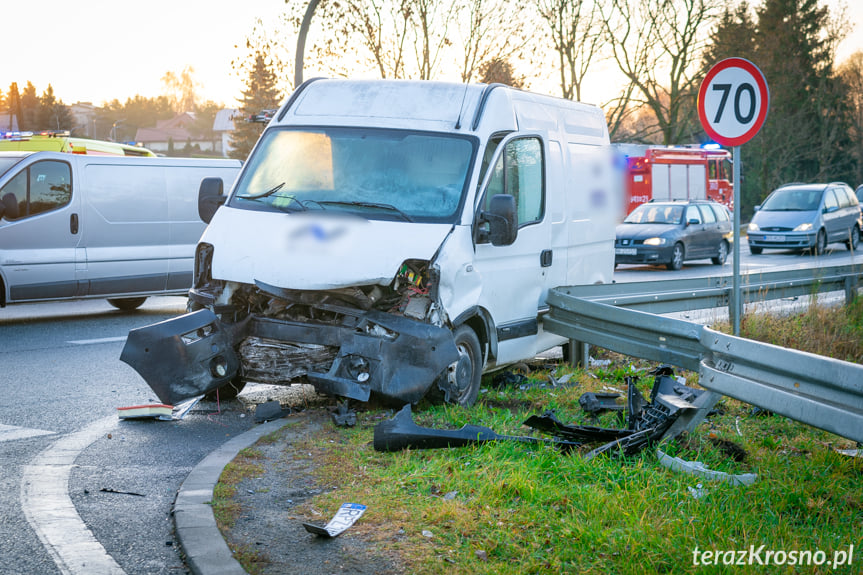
(806, 217)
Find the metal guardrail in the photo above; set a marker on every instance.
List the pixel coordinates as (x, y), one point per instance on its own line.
(819, 391)
(666, 296)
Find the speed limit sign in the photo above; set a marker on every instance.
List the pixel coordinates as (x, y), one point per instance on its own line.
(733, 101)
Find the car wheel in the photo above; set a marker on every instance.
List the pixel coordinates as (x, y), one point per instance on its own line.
(722, 255)
(127, 303)
(854, 239)
(461, 380)
(755, 251)
(677, 255)
(821, 242)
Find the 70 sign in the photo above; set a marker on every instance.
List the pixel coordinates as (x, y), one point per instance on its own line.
(733, 101)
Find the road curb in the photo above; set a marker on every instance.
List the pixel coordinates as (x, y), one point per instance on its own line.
(200, 539)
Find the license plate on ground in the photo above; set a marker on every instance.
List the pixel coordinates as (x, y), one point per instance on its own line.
(625, 251)
(774, 238)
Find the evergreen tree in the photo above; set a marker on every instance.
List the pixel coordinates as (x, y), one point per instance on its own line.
(13, 106)
(806, 136)
(27, 119)
(52, 114)
(261, 93)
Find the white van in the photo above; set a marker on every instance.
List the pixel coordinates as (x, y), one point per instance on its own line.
(122, 228)
(391, 237)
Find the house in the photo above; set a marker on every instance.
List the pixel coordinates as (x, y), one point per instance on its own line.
(177, 133)
(223, 125)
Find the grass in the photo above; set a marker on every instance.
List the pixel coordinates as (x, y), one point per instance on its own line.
(508, 507)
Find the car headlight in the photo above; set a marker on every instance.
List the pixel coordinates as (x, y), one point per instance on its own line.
(803, 227)
(654, 242)
(753, 227)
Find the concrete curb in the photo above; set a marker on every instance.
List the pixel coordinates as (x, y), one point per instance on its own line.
(200, 539)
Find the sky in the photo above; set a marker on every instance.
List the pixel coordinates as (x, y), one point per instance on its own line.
(98, 50)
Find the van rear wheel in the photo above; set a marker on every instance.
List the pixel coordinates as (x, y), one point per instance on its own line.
(127, 303)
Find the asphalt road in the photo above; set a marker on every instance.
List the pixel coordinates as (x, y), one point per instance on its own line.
(83, 492)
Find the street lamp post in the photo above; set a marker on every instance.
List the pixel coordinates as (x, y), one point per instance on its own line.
(301, 43)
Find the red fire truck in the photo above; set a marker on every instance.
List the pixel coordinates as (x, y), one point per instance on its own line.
(667, 173)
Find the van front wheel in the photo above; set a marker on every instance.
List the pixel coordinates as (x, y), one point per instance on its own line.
(127, 303)
(459, 383)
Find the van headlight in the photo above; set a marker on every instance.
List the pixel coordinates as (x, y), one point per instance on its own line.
(654, 242)
(753, 227)
(803, 227)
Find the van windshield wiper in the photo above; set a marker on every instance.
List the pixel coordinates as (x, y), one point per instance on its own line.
(388, 207)
(268, 193)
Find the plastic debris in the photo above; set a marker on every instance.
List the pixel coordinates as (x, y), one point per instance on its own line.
(268, 411)
(343, 416)
(698, 469)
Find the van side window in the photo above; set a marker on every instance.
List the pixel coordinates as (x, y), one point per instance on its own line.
(519, 173)
(830, 200)
(41, 187)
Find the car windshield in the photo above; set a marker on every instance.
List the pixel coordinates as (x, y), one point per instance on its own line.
(792, 200)
(379, 174)
(6, 163)
(655, 214)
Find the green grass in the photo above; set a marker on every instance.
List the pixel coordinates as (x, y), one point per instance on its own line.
(519, 508)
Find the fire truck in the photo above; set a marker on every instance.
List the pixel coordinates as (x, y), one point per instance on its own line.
(675, 172)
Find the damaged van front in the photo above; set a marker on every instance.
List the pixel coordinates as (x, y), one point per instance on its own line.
(389, 238)
(339, 228)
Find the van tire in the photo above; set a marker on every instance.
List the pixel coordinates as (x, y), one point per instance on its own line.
(459, 383)
(820, 242)
(853, 239)
(755, 251)
(127, 303)
(227, 392)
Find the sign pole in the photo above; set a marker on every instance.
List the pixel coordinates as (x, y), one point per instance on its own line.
(732, 105)
(737, 306)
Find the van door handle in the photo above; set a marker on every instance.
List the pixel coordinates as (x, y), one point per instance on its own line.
(73, 223)
(545, 258)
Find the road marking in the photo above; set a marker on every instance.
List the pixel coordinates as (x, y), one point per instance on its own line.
(100, 340)
(51, 513)
(11, 432)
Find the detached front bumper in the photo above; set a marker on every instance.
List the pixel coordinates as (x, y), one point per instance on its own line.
(393, 356)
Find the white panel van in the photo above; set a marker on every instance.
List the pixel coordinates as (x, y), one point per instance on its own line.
(394, 238)
(121, 228)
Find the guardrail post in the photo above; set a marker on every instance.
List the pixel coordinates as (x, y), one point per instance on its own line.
(577, 353)
(850, 289)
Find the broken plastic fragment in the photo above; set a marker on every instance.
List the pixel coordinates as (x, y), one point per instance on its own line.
(346, 516)
(699, 470)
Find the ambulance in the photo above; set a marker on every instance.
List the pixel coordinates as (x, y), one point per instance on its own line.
(62, 142)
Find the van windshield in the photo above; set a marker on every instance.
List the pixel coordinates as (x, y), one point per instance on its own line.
(379, 174)
(793, 200)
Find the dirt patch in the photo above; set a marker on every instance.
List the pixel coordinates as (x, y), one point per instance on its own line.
(269, 527)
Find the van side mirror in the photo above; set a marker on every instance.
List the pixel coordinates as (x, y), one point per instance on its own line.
(758, 207)
(502, 220)
(9, 207)
(210, 197)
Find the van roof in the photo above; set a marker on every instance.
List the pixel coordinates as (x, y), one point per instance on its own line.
(440, 107)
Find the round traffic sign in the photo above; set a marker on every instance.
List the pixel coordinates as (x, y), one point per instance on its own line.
(733, 101)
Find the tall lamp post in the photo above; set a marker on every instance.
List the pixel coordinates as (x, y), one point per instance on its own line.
(301, 43)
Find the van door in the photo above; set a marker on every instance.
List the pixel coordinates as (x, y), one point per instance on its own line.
(38, 245)
(513, 276)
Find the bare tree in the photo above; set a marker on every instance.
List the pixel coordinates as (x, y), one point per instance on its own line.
(489, 31)
(657, 46)
(181, 89)
(576, 31)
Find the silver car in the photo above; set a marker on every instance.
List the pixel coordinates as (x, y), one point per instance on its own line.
(806, 217)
